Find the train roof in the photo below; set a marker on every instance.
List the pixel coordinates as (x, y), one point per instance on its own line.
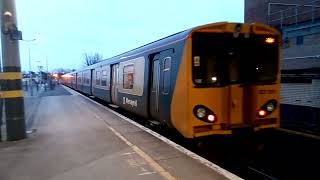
(257, 28)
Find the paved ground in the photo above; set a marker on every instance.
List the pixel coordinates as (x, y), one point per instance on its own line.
(76, 139)
(31, 102)
(58, 91)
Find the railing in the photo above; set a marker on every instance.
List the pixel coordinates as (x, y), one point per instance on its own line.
(304, 57)
(286, 14)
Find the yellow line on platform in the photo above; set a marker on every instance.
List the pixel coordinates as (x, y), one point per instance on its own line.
(187, 152)
(157, 167)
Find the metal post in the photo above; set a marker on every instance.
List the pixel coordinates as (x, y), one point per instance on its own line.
(1, 102)
(296, 10)
(312, 11)
(269, 10)
(47, 76)
(281, 19)
(47, 64)
(30, 74)
(11, 77)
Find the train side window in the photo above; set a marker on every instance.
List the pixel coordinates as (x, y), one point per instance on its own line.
(84, 78)
(131, 76)
(88, 78)
(104, 78)
(128, 75)
(98, 78)
(166, 75)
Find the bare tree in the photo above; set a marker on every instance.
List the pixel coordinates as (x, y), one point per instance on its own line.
(90, 59)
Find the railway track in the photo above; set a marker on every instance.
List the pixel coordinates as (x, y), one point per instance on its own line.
(260, 174)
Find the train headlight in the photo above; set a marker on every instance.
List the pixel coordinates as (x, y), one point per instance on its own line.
(205, 114)
(270, 107)
(201, 113)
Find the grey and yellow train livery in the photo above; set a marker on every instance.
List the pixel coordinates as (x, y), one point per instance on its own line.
(207, 80)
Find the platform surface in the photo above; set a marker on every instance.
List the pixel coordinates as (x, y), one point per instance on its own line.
(76, 139)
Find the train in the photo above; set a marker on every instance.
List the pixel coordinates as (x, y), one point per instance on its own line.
(213, 79)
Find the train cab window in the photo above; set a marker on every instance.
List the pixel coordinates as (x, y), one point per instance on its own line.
(166, 74)
(205, 69)
(222, 59)
(97, 78)
(104, 78)
(128, 76)
(233, 66)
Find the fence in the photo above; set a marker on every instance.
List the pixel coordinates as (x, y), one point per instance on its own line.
(282, 14)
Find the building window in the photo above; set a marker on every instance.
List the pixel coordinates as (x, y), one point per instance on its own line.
(128, 74)
(286, 43)
(299, 40)
(166, 74)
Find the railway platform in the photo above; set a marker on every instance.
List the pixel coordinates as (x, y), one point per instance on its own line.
(76, 138)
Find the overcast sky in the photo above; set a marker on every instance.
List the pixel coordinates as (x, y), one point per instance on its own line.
(65, 29)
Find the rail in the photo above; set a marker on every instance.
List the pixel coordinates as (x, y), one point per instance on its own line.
(303, 57)
(293, 13)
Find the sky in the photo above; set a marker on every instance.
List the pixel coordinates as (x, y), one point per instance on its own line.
(66, 29)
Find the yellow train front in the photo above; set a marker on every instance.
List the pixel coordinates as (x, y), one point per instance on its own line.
(228, 79)
(207, 80)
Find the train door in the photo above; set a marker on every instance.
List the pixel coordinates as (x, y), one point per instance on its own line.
(235, 92)
(75, 81)
(160, 99)
(78, 81)
(155, 88)
(114, 83)
(236, 103)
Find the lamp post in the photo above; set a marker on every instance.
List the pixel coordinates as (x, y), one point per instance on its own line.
(11, 76)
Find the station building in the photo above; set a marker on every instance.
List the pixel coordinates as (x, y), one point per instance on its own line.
(299, 23)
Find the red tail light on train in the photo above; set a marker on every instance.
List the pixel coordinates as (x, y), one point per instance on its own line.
(211, 118)
(267, 108)
(262, 113)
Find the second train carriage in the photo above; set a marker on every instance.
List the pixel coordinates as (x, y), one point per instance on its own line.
(207, 80)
